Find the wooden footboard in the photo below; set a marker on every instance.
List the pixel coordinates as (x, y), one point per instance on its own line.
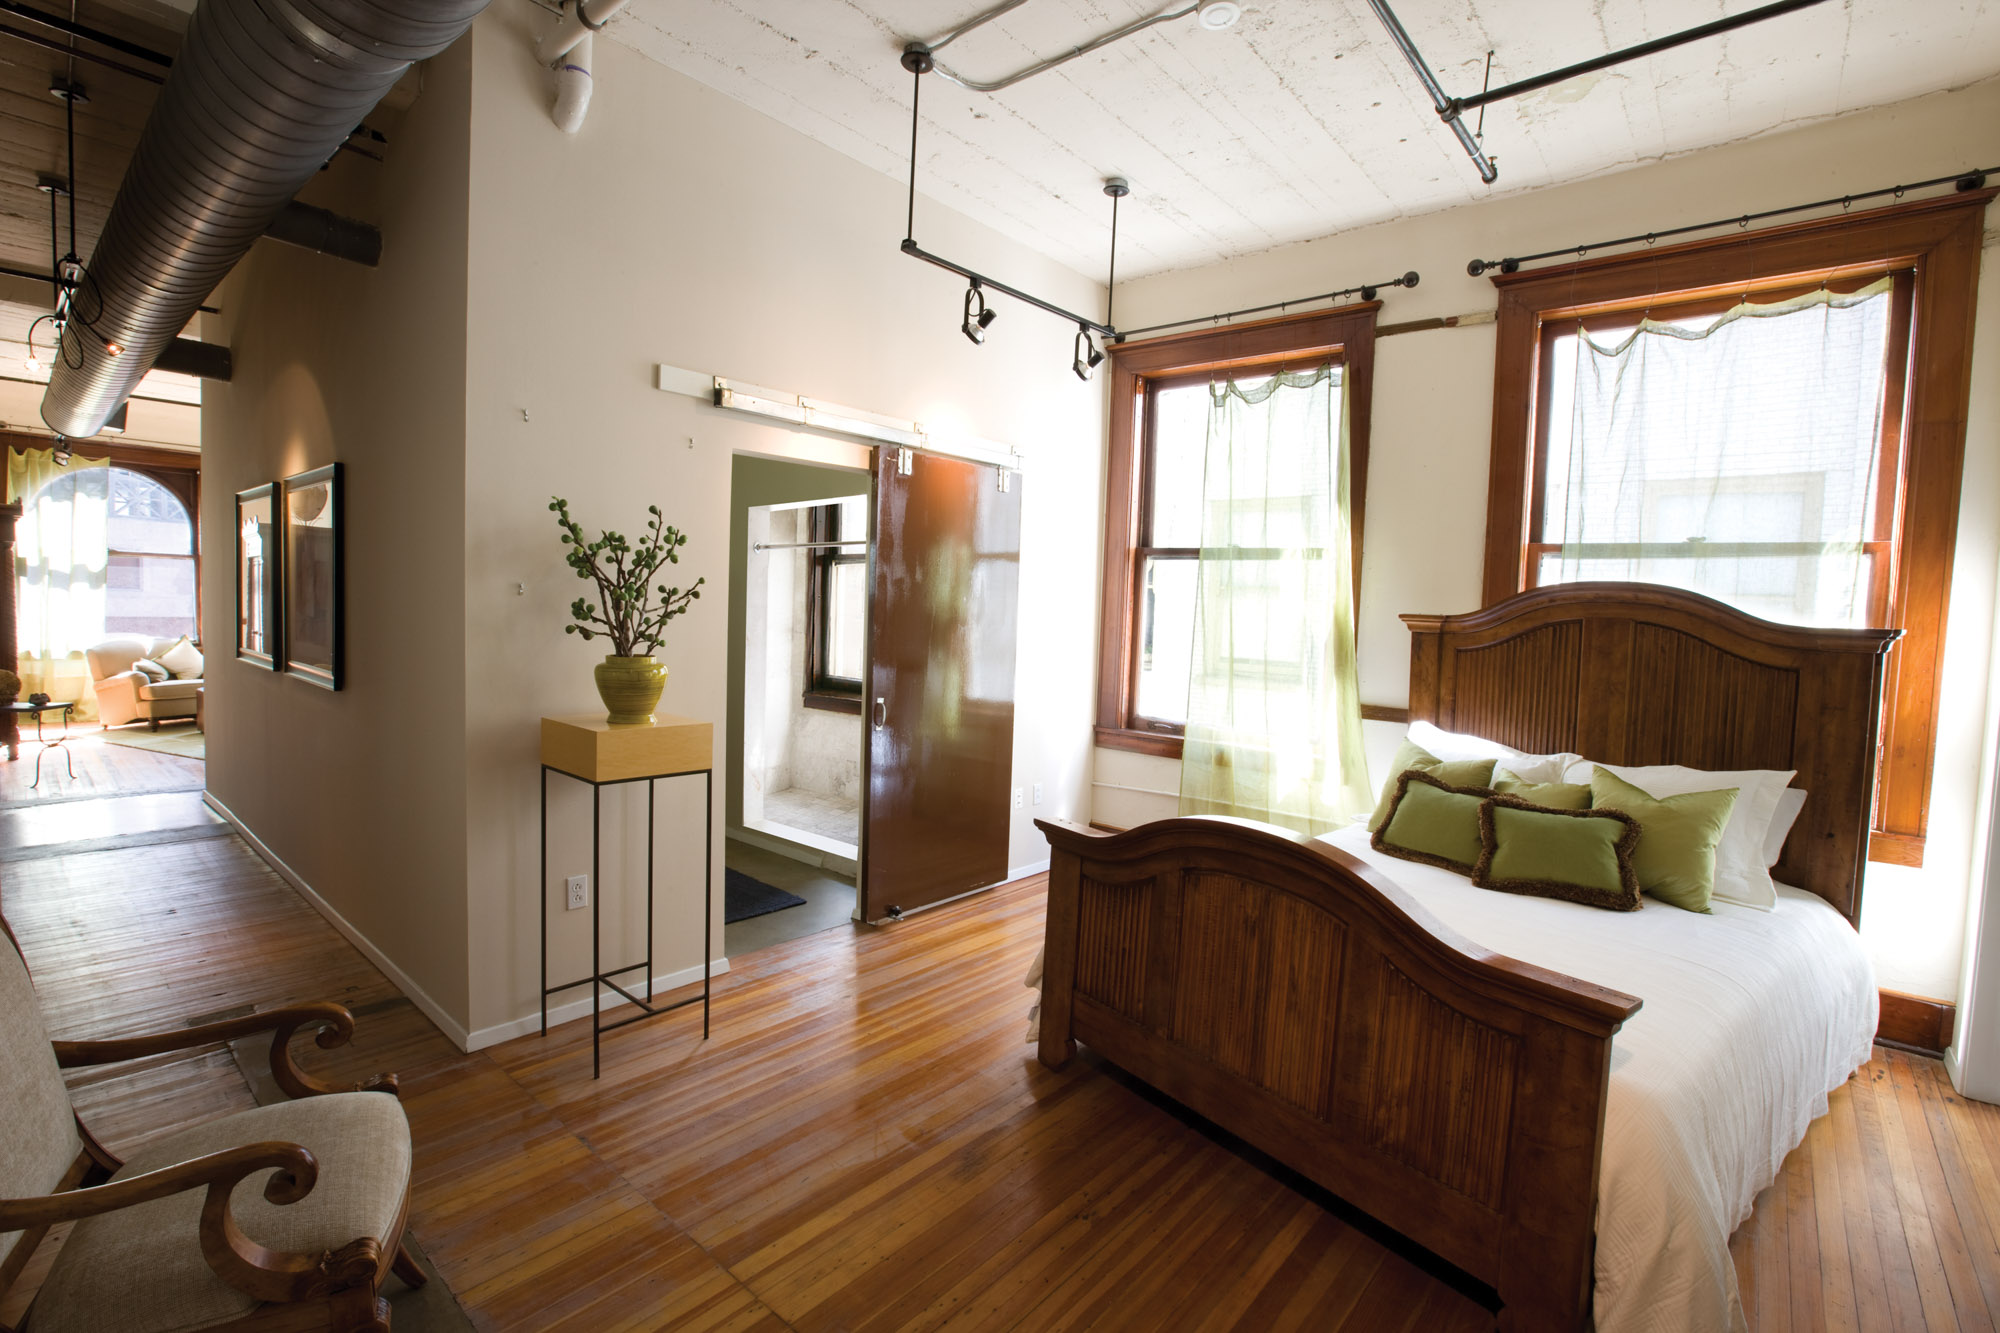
(1289, 994)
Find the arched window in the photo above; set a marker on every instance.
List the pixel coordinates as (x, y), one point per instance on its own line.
(150, 578)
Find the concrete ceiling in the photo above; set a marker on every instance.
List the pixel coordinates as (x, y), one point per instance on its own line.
(1300, 121)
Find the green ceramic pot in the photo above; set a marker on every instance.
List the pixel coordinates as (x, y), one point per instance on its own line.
(630, 688)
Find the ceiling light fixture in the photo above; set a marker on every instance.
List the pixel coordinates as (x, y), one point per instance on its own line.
(978, 316)
(59, 452)
(1088, 357)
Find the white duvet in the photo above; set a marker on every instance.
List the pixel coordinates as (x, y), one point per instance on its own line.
(1751, 1018)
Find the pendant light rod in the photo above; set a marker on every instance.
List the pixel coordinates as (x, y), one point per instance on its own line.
(1452, 110)
(915, 251)
(1043, 66)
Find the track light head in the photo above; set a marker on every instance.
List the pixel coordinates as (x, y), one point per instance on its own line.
(59, 453)
(1088, 355)
(979, 316)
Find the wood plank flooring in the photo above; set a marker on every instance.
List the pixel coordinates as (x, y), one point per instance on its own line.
(868, 1143)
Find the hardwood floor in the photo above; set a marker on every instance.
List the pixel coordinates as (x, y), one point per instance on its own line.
(868, 1143)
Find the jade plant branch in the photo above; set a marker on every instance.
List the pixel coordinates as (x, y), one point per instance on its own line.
(624, 572)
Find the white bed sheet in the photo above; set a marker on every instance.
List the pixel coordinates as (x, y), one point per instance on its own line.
(1751, 1018)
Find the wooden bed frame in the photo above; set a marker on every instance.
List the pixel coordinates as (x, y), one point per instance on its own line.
(1296, 998)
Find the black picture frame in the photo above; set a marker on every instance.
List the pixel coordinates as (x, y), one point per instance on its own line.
(259, 578)
(314, 621)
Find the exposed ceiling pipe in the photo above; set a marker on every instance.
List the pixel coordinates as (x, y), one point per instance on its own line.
(260, 96)
(566, 48)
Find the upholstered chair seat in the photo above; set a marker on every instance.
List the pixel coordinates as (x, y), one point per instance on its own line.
(284, 1217)
(140, 1269)
(169, 689)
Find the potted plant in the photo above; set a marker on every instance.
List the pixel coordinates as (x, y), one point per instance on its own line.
(630, 679)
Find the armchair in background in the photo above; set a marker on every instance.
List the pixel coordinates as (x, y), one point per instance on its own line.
(126, 694)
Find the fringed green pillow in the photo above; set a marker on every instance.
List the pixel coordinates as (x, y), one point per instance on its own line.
(1432, 821)
(1579, 856)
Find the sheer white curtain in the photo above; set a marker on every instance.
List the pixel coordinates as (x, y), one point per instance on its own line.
(60, 558)
(1737, 456)
(1274, 714)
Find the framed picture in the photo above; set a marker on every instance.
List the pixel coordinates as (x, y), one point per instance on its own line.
(311, 574)
(258, 614)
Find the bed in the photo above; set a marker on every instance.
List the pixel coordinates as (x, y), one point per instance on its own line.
(1311, 997)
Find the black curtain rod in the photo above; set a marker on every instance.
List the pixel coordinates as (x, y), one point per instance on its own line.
(1366, 292)
(978, 279)
(1963, 180)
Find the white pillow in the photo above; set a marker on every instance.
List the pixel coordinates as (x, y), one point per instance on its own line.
(183, 659)
(1742, 875)
(1790, 801)
(1454, 745)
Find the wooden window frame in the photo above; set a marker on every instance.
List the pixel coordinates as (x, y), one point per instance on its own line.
(834, 694)
(1938, 241)
(1346, 333)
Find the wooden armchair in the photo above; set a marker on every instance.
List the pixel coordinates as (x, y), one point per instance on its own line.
(166, 1241)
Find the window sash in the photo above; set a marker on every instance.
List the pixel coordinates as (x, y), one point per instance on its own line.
(823, 687)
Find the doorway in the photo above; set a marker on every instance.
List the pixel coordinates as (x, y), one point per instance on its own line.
(873, 620)
(798, 651)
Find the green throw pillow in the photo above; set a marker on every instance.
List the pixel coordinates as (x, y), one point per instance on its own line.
(1548, 795)
(1675, 858)
(1432, 821)
(1455, 772)
(1579, 856)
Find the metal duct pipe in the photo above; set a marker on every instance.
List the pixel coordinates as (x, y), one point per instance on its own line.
(326, 232)
(261, 94)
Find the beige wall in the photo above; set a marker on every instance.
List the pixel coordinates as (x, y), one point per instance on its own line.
(360, 793)
(679, 227)
(1431, 435)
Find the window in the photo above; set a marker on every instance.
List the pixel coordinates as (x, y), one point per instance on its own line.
(837, 605)
(1159, 434)
(1750, 453)
(1802, 463)
(151, 568)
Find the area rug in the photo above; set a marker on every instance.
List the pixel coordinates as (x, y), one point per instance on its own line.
(185, 740)
(744, 897)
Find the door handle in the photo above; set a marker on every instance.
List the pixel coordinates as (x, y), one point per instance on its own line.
(881, 712)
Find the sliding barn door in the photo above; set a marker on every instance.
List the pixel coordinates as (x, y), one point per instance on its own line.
(940, 716)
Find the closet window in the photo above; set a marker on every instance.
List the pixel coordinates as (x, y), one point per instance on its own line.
(837, 605)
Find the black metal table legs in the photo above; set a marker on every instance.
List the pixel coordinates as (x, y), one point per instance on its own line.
(599, 977)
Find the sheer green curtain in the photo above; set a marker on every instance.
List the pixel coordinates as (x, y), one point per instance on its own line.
(60, 558)
(1274, 712)
(1737, 456)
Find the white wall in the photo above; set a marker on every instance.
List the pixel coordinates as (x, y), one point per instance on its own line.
(679, 227)
(1431, 438)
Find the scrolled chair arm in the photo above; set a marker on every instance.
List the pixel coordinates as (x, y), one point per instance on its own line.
(261, 1273)
(335, 1024)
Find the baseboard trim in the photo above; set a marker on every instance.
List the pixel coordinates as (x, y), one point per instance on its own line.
(451, 1027)
(1916, 1022)
(1023, 871)
(571, 1010)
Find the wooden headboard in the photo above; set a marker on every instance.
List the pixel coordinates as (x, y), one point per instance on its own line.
(1637, 673)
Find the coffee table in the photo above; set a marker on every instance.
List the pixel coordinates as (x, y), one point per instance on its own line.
(61, 741)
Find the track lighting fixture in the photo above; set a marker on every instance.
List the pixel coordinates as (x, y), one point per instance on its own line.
(59, 452)
(978, 315)
(1088, 357)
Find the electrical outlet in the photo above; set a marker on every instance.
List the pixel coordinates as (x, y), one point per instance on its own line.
(579, 892)
(1017, 798)
(1038, 793)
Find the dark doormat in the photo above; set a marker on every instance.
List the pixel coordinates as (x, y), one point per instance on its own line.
(744, 897)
